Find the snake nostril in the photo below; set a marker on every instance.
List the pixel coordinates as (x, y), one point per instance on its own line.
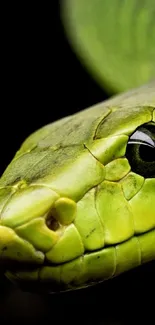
(52, 223)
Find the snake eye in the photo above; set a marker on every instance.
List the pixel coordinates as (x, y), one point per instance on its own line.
(140, 151)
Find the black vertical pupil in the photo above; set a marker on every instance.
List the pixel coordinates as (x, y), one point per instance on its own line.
(147, 153)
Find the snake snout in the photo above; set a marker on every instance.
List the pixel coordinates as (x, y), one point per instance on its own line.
(22, 223)
(37, 226)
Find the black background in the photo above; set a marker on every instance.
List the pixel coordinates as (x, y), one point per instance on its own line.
(42, 80)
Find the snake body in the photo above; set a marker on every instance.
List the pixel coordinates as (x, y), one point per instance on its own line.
(77, 200)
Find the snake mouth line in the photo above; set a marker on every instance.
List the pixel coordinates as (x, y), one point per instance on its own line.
(46, 263)
(137, 236)
(49, 284)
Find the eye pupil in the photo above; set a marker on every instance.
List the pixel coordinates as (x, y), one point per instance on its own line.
(140, 151)
(147, 153)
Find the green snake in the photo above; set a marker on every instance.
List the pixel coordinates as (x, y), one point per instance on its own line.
(77, 202)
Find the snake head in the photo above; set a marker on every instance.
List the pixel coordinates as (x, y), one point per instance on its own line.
(77, 200)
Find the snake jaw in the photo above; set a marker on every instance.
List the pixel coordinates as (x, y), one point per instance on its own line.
(66, 259)
(88, 269)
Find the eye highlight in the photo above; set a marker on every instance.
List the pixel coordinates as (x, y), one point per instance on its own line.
(140, 151)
